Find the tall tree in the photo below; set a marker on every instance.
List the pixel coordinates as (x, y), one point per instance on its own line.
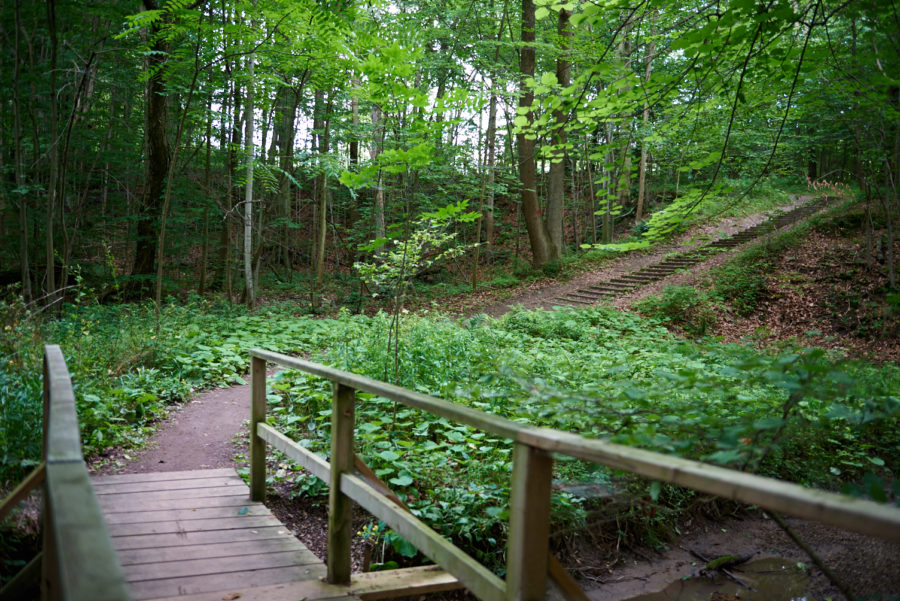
(249, 288)
(541, 245)
(556, 192)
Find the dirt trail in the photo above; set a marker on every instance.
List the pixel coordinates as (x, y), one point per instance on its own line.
(545, 295)
(197, 435)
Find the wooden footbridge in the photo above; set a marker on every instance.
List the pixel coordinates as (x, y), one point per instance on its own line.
(205, 536)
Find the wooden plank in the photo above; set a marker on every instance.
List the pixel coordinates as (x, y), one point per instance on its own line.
(340, 506)
(460, 413)
(203, 513)
(369, 475)
(32, 481)
(225, 549)
(113, 504)
(174, 539)
(421, 580)
(126, 487)
(569, 587)
(63, 442)
(163, 476)
(165, 570)
(309, 590)
(87, 563)
(188, 585)
(857, 515)
(483, 583)
(310, 461)
(50, 588)
(185, 526)
(257, 416)
(527, 552)
(186, 493)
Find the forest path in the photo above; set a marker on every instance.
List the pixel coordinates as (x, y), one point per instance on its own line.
(196, 435)
(546, 294)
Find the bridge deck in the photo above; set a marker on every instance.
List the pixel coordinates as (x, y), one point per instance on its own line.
(195, 536)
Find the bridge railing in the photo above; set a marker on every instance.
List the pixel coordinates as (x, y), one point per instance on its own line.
(78, 562)
(528, 557)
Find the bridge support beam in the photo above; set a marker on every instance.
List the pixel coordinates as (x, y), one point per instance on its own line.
(528, 554)
(340, 506)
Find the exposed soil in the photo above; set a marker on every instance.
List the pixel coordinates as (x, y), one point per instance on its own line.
(541, 294)
(205, 433)
(197, 435)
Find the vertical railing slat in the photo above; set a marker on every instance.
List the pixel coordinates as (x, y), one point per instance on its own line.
(257, 415)
(529, 524)
(340, 506)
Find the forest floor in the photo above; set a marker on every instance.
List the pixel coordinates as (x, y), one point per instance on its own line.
(210, 432)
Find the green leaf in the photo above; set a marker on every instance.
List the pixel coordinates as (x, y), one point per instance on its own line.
(404, 547)
(655, 489)
(549, 79)
(404, 479)
(768, 423)
(388, 456)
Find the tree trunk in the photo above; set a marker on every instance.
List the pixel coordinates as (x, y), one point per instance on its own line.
(248, 191)
(592, 197)
(53, 183)
(158, 157)
(204, 251)
(531, 211)
(556, 193)
(354, 143)
(285, 135)
(324, 141)
(623, 187)
(170, 176)
(491, 160)
(20, 178)
(377, 145)
(645, 118)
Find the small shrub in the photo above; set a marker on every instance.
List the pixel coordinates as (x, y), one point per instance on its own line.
(741, 283)
(520, 267)
(552, 268)
(684, 306)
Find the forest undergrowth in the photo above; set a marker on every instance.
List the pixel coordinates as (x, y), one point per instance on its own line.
(786, 410)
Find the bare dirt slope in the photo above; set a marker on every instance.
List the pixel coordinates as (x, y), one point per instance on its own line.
(543, 294)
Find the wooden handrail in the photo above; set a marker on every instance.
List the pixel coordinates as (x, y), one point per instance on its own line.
(79, 561)
(527, 554)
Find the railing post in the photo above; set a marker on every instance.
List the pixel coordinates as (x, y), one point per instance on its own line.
(257, 415)
(340, 506)
(527, 559)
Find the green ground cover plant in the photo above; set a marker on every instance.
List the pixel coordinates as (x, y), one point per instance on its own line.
(129, 363)
(797, 414)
